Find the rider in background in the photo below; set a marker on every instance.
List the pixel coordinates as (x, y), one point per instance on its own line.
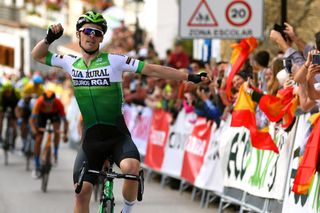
(21, 83)
(9, 97)
(47, 107)
(34, 87)
(30, 91)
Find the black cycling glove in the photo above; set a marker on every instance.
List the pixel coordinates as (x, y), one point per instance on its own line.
(196, 78)
(51, 37)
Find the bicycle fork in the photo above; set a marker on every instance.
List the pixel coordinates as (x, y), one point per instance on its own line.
(107, 199)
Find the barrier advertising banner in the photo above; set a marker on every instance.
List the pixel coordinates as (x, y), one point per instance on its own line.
(259, 172)
(138, 120)
(294, 202)
(210, 176)
(157, 139)
(174, 150)
(195, 149)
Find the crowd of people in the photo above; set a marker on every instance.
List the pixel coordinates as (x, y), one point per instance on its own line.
(261, 74)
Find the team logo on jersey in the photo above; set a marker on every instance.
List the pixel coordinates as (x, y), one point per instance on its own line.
(99, 77)
(91, 82)
(76, 73)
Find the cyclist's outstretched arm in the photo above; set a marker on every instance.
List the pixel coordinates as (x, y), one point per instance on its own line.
(40, 51)
(171, 73)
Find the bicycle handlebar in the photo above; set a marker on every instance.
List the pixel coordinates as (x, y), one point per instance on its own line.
(80, 180)
(106, 174)
(114, 175)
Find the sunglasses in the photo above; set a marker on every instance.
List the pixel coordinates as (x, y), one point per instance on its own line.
(92, 31)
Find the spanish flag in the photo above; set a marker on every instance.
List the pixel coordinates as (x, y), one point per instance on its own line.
(282, 106)
(239, 55)
(244, 115)
(309, 162)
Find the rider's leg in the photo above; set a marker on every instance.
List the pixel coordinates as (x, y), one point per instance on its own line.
(13, 124)
(1, 121)
(24, 133)
(130, 187)
(82, 200)
(56, 127)
(37, 149)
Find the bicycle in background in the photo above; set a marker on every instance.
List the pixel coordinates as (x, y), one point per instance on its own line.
(46, 156)
(28, 149)
(107, 203)
(8, 142)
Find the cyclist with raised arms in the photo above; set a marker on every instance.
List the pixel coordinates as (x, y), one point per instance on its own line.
(97, 77)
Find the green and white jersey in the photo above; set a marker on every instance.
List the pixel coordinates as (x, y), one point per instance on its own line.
(97, 88)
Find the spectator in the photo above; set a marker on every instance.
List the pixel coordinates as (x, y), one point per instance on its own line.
(137, 94)
(208, 103)
(238, 80)
(260, 65)
(197, 66)
(285, 46)
(154, 100)
(152, 56)
(179, 59)
(273, 84)
(167, 58)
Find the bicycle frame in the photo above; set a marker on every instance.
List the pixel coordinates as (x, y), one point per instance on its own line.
(28, 148)
(46, 162)
(9, 137)
(107, 193)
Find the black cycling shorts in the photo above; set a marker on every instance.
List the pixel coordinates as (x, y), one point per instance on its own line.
(43, 117)
(98, 143)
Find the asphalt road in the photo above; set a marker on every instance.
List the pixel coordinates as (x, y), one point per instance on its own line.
(19, 193)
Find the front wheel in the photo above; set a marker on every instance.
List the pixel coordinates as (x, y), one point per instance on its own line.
(5, 157)
(44, 184)
(28, 152)
(108, 207)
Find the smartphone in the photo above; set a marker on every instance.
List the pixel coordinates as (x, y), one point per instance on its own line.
(316, 59)
(287, 63)
(280, 29)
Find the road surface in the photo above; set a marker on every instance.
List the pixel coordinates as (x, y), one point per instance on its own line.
(20, 193)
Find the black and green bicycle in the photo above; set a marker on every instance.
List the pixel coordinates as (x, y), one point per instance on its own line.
(107, 203)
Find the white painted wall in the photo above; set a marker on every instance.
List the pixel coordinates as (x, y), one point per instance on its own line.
(160, 19)
(11, 37)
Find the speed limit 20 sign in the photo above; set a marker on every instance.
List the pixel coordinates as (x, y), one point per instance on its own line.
(224, 19)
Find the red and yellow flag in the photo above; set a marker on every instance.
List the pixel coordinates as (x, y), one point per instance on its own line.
(309, 162)
(282, 106)
(244, 115)
(239, 55)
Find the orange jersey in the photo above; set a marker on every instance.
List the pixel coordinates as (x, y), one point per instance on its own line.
(48, 108)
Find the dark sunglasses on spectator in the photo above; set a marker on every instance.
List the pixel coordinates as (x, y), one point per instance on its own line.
(92, 31)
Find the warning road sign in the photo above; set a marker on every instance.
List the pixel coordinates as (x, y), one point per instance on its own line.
(224, 19)
(202, 16)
